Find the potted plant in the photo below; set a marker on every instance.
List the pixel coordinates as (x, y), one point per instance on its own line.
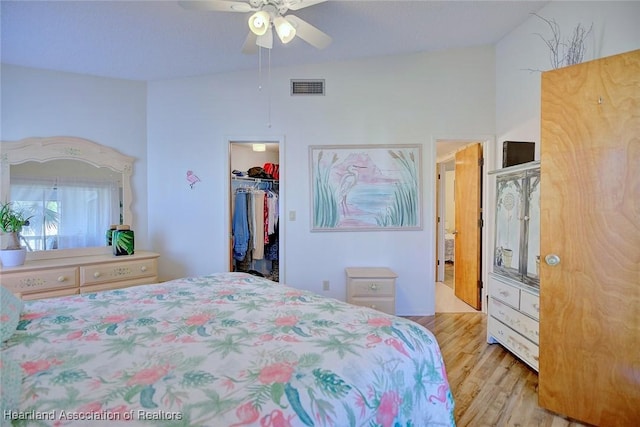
(11, 223)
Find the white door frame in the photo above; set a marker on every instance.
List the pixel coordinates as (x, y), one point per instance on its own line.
(489, 155)
(275, 139)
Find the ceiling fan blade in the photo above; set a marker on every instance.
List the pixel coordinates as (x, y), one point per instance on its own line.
(309, 33)
(265, 40)
(250, 47)
(217, 5)
(300, 4)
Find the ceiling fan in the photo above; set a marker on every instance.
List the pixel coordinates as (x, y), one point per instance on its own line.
(267, 14)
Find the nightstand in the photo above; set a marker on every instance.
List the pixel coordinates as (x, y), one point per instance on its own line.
(373, 287)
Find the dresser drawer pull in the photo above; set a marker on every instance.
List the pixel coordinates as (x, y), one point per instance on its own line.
(536, 307)
(97, 274)
(373, 287)
(62, 279)
(143, 268)
(504, 293)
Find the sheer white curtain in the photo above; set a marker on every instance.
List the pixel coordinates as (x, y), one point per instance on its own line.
(85, 209)
(32, 196)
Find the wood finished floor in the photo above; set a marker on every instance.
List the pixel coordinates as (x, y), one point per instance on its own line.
(489, 385)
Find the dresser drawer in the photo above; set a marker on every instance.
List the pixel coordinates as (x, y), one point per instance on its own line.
(372, 288)
(504, 292)
(29, 282)
(120, 271)
(514, 319)
(386, 305)
(523, 348)
(530, 304)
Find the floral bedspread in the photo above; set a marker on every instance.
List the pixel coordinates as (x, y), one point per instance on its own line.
(223, 350)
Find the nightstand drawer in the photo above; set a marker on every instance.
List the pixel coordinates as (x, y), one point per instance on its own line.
(37, 281)
(372, 288)
(121, 271)
(385, 305)
(504, 292)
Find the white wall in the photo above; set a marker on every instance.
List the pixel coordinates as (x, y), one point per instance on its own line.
(616, 29)
(406, 99)
(41, 103)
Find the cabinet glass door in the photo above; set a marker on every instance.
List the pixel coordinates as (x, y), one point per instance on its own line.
(509, 211)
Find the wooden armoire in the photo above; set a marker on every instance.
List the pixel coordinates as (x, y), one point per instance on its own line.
(590, 241)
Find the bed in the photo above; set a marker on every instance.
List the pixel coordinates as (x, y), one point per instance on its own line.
(227, 349)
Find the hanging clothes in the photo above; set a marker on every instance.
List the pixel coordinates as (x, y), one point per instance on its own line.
(258, 222)
(255, 225)
(240, 226)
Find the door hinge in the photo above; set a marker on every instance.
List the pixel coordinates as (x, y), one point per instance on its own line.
(438, 220)
(479, 284)
(480, 223)
(481, 161)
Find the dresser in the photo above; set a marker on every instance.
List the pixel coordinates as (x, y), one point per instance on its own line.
(47, 278)
(373, 287)
(514, 316)
(513, 286)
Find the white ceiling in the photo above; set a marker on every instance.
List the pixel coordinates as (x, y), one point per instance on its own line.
(153, 40)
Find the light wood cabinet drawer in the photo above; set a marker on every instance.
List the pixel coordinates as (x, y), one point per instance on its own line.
(372, 288)
(121, 271)
(514, 319)
(504, 292)
(51, 294)
(523, 348)
(530, 304)
(386, 305)
(37, 281)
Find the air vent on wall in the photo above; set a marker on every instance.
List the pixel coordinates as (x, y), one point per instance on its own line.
(307, 87)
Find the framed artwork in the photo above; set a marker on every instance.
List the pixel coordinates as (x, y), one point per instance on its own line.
(366, 187)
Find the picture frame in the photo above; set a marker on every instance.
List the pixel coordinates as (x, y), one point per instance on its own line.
(366, 187)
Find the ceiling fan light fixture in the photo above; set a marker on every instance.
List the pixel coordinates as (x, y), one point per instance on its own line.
(259, 22)
(286, 31)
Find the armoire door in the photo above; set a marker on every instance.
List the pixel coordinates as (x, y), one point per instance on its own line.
(468, 236)
(590, 236)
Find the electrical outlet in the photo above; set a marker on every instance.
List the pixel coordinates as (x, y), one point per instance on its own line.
(325, 285)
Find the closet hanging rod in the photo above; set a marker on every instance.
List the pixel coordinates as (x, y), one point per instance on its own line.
(246, 178)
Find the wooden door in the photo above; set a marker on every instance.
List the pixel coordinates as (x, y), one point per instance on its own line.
(590, 219)
(468, 202)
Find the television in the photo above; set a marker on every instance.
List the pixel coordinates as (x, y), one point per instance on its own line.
(517, 152)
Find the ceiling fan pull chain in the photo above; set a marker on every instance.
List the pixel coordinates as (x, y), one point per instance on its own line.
(269, 93)
(259, 69)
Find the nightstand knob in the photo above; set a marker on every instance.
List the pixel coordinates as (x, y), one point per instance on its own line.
(96, 274)
(143, 268)
(373, 287)
(61, 279)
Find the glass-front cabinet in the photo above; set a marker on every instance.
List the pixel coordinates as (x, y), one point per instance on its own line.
(514, 285)
(517, 228)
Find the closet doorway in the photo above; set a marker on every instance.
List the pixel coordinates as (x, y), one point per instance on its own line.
(458, 241)
(255, 205)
